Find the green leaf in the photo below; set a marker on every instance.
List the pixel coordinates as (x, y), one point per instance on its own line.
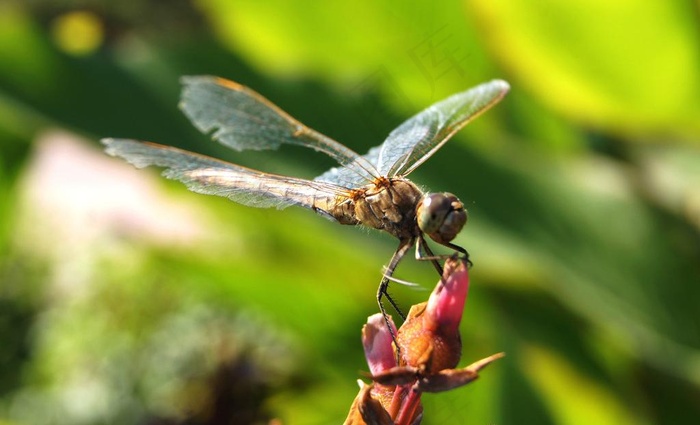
(623, 66)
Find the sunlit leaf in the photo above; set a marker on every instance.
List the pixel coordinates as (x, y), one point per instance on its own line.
(624, 66)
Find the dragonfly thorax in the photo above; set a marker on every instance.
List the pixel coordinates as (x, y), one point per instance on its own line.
(388, 204)
(441, 216)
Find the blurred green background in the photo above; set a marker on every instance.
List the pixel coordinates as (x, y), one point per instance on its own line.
(126, 299)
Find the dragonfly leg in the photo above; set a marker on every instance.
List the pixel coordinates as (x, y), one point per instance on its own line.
(404, 246)
(461, 251)
(429, 256)
(382, 291)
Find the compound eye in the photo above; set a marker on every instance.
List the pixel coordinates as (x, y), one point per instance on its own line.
(432, 211)
(453, 223)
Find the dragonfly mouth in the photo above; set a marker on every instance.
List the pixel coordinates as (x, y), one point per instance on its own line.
(441, 216)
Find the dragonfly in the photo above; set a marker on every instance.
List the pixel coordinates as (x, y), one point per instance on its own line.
(370, 190)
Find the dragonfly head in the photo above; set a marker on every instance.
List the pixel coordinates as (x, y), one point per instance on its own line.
(441, 216)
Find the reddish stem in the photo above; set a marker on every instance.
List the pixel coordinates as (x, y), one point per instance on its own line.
(396, 401)
(408, 408)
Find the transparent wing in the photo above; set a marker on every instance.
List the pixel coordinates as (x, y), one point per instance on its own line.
(210, 176)
(242, 119)
(418, 138)
(343, 176)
